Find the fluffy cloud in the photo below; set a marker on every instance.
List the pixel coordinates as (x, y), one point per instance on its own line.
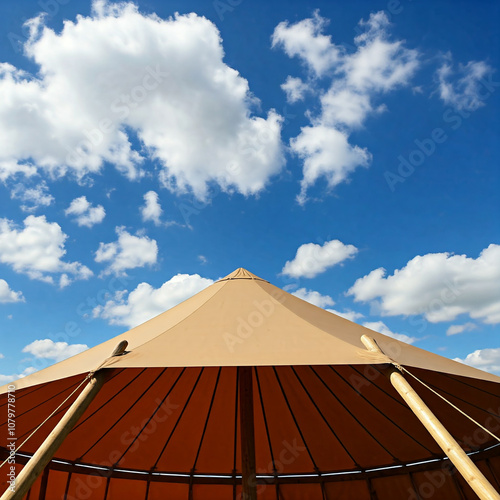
(8, 295)
(294, 89)
(32, 198)
(312, 259)
(146, 302)
(85, 214)
(37, 250)
(349, 315)
(306, 41)
(377, 66)
(314, 297)
(128, 252)
(484, 359)
(163, 80)
(151, 211)
(381, 327)
(439, 286)
(454, 329)
(461, 88)
(48, 349)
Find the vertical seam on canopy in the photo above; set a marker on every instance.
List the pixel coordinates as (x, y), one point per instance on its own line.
(414, 486)
(152, 414)
(110, 399)
(106, 491)
(207, 419)
(43, 485)
(323, 417)
(294, 419)
(235, 443)
(123, 415)
(265, 420)
(65, 497)
(179, 419)
(382, 413)
(353, 416)
(457, 484)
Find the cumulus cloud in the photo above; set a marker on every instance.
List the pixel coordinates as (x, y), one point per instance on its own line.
(146, 302)
(484, 359)
(461, 88)
(48, 349)
(128, 252)
(32, 198)
(381, 327)
(85, 214)
(312, 259)
(162, 80)
(349, 315)
(151, 210)
(439, 286)
(454, 329)
(294, 89)
(38, 250)
(378, 65)
(8, 295)
(314, 297)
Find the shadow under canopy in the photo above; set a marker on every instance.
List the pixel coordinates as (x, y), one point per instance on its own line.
(320, 416)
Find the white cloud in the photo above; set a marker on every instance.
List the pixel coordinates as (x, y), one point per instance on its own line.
(146, 302)
(461, 88)
(128, 252)
(312, 259)
(381, 327)
(86, 214)
(306, 41)
(349, 315)
(163, 80)
(48, 349)
(202, 259)
(377, 66)
(37, 250)
(294, 89)
(326, 152)
(8, 295)
(484, 359)
(314, 297)
(32, 197)
(454, 329)
(439, 286)
(151, 210)
(5, 379)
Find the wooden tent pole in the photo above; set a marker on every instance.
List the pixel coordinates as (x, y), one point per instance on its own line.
(445, 440)
(245, 389)
(45, 452)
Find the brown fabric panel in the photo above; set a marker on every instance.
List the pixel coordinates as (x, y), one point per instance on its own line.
(300, 491)
(438, 485)
(219, 434)
(170, 491)
(282, 428)
(393, 487)
(56, 485)
(482, 405)
(383, 413)
(212, 492)
(82, 486)
(126, 488)
(183, 444)
(347, 490)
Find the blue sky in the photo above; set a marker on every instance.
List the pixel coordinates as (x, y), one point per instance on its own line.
(345, 152)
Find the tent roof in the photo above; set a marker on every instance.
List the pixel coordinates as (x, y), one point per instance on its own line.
(243, 320)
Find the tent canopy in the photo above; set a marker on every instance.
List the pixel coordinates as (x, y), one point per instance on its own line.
(167, 416)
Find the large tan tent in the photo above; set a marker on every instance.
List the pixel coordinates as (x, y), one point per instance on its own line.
(321, 419)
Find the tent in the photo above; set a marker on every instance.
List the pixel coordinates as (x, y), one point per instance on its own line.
(245, 379)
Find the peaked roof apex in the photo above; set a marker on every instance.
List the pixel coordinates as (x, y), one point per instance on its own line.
(241, 274)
